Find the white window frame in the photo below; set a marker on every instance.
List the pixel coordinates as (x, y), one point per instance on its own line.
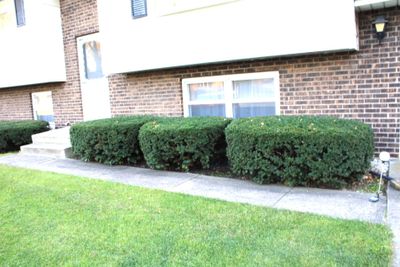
(228, 91)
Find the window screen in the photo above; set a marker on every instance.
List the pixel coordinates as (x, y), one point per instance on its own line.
(20, 12)
(139, 8)
(232, 96)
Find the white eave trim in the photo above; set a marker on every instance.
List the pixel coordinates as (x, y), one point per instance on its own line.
(365, 5)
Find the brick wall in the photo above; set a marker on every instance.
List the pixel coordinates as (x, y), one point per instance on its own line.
(15, 104)
(156, 93)
(362, 85)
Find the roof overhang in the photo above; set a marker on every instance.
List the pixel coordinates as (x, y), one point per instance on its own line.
(366, 5)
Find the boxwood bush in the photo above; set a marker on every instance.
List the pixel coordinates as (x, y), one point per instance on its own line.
(300, 150)
(14, 134)
(111, 141)
(184, 143)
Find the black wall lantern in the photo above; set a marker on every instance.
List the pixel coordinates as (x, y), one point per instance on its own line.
(379, 26)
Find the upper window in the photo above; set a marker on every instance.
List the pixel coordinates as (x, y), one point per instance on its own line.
(20, 12)
(232, 96)
(139, 8)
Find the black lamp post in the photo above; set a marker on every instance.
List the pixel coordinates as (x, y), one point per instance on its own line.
(379, 26)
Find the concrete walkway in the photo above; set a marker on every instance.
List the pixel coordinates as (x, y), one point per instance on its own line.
(393, 213)
(334, 203)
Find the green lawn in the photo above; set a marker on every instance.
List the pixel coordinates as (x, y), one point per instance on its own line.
(49, 219)
(7, 154)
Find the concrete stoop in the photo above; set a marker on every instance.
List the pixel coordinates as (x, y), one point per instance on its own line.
(395, 173)
(54, 143)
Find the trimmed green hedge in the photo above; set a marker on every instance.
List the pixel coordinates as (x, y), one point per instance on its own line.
(300, 150)
(184, 143)
(14, 134)
(111, 141)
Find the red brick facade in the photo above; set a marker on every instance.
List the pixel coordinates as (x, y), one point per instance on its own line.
(362, 85)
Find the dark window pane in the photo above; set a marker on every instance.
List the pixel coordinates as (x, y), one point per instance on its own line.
(139, 8)
(253, 110)
(207, 110)
(20, 12)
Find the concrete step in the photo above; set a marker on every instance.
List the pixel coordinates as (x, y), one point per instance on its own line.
(51, 140)
(50, 150)
(57, 137)
(395, 185)
(395, 169)
(395, 173)
(54, 143)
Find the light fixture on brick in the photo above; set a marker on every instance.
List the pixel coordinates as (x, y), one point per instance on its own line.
(379, 26)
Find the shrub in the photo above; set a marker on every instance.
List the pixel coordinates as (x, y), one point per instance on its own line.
(14, 134)
(184, 143)
(300, 150)
(111, 141)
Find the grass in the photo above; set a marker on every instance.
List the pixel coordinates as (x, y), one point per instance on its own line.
(7, 154)
(50, 219)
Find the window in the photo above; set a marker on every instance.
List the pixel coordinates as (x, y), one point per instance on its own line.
(232, 96)
(92, 58)
(42, 103)
(20, 12)
(139, 8)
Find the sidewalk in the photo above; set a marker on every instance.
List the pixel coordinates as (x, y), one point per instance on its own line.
(393, 214)
(334, 203)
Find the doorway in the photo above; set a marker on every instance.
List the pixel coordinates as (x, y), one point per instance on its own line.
(94, 84)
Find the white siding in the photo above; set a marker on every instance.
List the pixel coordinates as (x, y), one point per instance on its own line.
(33, 53)
(366, 5)
(226, 31)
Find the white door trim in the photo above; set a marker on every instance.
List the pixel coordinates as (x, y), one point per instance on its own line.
(94, 91)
